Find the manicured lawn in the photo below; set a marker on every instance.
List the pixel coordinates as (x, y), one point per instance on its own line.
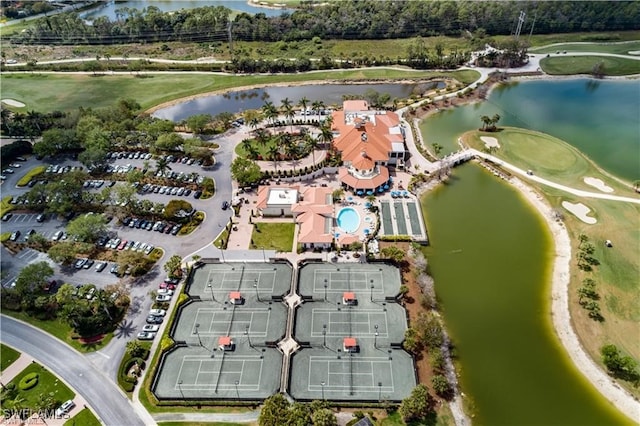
(48, 384)
(46, 92)
(7, 356)
(200, 424)
(38, 170)
(619, 48)
(547, 156)
(6, 206)
(61, 330)
(273, 236)
(84, 418)
(569, 65)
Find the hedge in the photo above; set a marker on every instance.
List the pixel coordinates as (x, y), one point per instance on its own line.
(128, 383)
(28, 381)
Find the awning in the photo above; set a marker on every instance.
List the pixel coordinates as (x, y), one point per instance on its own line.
(358, 183)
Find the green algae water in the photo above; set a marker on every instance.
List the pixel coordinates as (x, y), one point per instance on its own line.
(491, 256)
(600, 118)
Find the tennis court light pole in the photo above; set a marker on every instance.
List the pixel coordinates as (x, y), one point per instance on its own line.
(379, 391)
(246, 332)
(255, 286)
(322, 387)
(211, 290)
(325, 289)
(324, 335)
(237, 393)
(180, 387)
(375, 337)
(371, 294)
(198, 334)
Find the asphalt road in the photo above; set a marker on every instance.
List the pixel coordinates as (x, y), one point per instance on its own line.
(102, 394)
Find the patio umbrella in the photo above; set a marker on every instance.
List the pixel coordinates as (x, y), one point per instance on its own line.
(367, 204)
(386, 186)
(380, 189)
(367, 230)
(359, 192)
(369, 192)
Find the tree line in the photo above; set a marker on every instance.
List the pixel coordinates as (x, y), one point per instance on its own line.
(366, 19)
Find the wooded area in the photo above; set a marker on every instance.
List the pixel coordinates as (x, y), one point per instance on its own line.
(366, 19)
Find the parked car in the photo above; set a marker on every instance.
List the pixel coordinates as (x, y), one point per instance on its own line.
(41, 217)
(225, 205)
(144, 335)
(165, 292)
(14, 236)
(7, 216)
(90, 294)
(88, 264)
(115, 269)
(79, 263)
(158, 312)
(167, 286)
(154, 319)
(65, 408)
(100, 266)
(161, 298)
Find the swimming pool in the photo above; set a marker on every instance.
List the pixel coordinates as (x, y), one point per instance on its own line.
(348, 220)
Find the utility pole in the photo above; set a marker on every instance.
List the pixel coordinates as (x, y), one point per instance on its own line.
(229, 25)
(531, 32)
(520, 22)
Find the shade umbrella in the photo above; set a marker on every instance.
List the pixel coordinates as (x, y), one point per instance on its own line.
(367, 204)
(359, 192)
(369, 192)
(367, 230)
(386, 186)
(380, 189)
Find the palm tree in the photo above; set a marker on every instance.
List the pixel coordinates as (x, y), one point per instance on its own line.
(289, 113)
(246, 145)
(316, 106)
(162, 165)
(291, 149)
(273, 154)
(303, 103)
(270, 111)
(494, 121)
(326, 135)
(312, 144)
(485, 121)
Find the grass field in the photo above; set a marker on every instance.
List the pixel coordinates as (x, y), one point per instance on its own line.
(47, 384)
(273, 236)
(7, 356)
(38, 170)
(5, 205)
(46, 92)
(201, 424)
(569, 65)
(617, 274)
(84, 418)
(59, 329)
(622, 48)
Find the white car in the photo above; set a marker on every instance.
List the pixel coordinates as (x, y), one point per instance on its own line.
(65, 408)
(165, 292)
(149, 328)
(163, 298)
(146, 336)
(158, 312)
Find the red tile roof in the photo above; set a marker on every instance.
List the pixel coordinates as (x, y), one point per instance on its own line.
(224, 341)
(357, 183)
(349, 342)
(348, 295)
(235, 295)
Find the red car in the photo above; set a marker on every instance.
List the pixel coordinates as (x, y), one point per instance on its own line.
(167, 286)
(122, 244)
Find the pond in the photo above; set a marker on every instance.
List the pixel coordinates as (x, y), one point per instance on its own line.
(606, 131)
(109, 8)
(490, 256)
(238, 101)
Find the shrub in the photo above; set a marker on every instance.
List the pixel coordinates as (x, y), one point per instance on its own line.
(29, 381)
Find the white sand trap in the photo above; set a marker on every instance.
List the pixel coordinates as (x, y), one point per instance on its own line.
(13, 103)
(490, 141)
(634, 52)
(580, 211)
(598, 184)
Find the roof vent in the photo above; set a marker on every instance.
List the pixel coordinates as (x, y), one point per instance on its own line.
(363, 137)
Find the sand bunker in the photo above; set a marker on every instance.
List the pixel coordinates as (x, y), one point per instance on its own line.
(13, 103)
(490, 141)
(598, 184)
(634, 52)
(580, 211)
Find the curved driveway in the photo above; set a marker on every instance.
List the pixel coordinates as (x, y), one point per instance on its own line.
(102, 394)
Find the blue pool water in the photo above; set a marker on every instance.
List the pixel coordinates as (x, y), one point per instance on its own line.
(348, 220)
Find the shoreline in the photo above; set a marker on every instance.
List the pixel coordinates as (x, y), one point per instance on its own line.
(560, 314)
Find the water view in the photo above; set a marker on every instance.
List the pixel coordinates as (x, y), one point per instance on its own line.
(109, 9)
(582, 112)
(238, 101)
(490, 256)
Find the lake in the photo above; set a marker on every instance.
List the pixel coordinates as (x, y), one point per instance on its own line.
(240, 100)
(109, 9)
(578, 111)
(490, 256)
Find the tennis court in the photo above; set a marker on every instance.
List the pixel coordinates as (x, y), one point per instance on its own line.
(350, 328)
(373, 282)
(227, 333)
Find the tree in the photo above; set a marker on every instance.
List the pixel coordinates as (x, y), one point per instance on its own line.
(393, 253)
(172, 266)
(337, 195)
(63, 252)
(303, 102)
(486, 120)
(178, 210)
(198, 123)
(441, 386)
(619, 365)
(54, 141)
(88, 227)
(418, 405)
(598, 69)
(64, 294)
(324, 417)
(274, 411)
(269, 111)
(33, 277)
(208, 184)
(170, 141)
(437, 148)
(245, 171)
(133, 261)
(134, 348)
(162, 165)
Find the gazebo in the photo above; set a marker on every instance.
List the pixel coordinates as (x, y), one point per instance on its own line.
(349, 298)
(235, 297)
(225, 343)
(349, 344)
